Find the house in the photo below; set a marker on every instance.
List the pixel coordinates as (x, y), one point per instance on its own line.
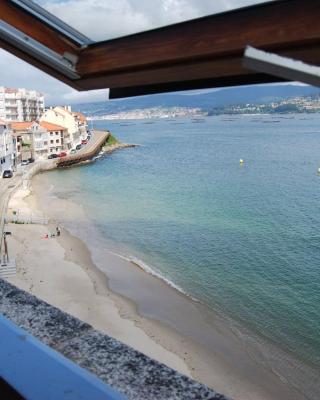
(39, 140)
(23, 139)
(75, 123)
(82, 124)
(49, 138)
(7, 147)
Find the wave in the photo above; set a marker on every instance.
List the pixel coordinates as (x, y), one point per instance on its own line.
(150, 270)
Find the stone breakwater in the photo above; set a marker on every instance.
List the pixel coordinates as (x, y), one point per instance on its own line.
(111, 148)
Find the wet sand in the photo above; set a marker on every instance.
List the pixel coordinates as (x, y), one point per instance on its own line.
(82, 277)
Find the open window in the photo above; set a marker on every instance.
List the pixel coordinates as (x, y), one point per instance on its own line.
(200, 53)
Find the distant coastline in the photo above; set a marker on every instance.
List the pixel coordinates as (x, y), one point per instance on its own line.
(191, 108)
(293, 106)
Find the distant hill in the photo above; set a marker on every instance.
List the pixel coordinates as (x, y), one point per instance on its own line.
(204, 100)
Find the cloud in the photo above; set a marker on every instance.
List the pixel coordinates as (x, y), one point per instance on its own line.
(17, 73)
(101, 20)
(85, 97)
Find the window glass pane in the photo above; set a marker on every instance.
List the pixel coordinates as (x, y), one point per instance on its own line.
(102, 20)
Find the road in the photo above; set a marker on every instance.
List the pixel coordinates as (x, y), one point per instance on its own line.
(6, 186)
(92, 143)
(88, 151)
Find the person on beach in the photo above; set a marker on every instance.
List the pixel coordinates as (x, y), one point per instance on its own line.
(58, 231)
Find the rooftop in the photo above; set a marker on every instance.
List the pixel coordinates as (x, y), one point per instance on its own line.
(81, 116)
(21, 126)
(24, 126)
(51, 127)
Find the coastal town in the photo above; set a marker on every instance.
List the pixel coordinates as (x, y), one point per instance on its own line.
(31, 132)
(151, 113)
(146, 111)
(296, 105)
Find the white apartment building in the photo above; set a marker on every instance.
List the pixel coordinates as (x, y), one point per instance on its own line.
(20, 104)
(75, 123)
(7, 147)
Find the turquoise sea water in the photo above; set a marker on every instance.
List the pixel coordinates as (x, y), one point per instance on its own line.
(244, 240)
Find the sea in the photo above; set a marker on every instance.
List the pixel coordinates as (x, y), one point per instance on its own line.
(241, 238)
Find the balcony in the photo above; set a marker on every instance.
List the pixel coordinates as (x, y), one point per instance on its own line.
(127, 371)
(11, 105)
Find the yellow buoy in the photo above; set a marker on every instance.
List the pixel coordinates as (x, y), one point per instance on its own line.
(241, 161)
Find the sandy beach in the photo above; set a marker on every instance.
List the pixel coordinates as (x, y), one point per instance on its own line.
(127, 303)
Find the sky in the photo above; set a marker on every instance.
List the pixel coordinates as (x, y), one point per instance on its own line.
(101, 20)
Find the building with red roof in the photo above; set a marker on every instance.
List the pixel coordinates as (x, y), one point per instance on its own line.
(74, 122)
(39, 139)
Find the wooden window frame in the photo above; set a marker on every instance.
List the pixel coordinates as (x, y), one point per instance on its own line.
(200, 53)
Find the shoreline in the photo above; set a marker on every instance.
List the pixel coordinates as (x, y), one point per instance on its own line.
(216, 359)
(63, 274)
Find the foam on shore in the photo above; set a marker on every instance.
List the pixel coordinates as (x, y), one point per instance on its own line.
(152, 271)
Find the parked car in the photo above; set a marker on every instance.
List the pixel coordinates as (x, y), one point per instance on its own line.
(24, 162)
(72, 151)
(78, 146)
(62, 154)
(7, 174)
(31, 160)
(84, 141)
(53, 155)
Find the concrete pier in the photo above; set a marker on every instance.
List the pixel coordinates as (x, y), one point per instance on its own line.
(88, 151)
